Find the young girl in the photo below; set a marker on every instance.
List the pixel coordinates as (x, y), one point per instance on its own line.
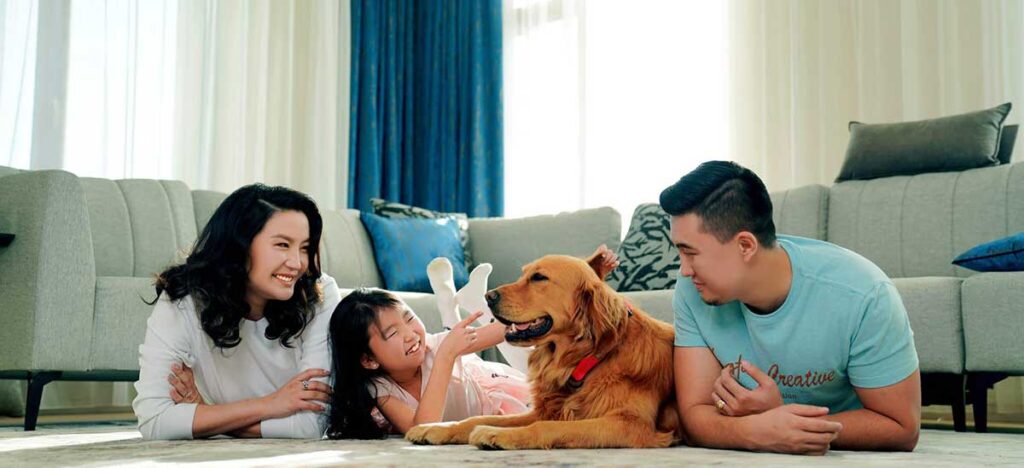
(391, 375)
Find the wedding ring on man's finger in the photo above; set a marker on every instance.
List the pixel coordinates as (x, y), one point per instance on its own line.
(305, 385)
(720, 404)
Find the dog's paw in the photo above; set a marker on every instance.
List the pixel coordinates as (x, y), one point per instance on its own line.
(497, 438)
(434, 434)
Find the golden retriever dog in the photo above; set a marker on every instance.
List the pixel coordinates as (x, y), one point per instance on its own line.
(600, 371)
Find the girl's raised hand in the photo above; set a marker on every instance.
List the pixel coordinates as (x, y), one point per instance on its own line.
(460, 339)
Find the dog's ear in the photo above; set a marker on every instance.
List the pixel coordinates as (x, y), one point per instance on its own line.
(598, 316)
(597, 263)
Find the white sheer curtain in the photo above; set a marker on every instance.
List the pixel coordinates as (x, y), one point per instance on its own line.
(262, 95)
(218, 94)
(801, 70)
(18, 21)
(607, 103)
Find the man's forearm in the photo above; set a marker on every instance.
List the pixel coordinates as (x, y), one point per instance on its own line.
(704, 426)
(864, 429)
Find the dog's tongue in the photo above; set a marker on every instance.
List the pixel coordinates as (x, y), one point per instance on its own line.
(522, 326)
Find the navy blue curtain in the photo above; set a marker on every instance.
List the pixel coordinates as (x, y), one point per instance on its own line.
(426, 115)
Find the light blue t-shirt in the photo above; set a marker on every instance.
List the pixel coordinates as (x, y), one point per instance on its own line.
(843, 325)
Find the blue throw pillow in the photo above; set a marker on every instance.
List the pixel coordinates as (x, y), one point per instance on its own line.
(1006, 254)
(404, 247)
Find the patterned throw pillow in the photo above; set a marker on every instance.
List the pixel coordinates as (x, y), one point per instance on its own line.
(648, 260)
(395, 210)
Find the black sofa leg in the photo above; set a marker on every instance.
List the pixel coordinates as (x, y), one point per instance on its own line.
(959, 396)
(979, 403)
(978, 384)
(36, 382)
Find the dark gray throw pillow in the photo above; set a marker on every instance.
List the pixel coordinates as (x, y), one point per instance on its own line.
(946, 144)
(648, 261)
(395, 210)
(1006, 142)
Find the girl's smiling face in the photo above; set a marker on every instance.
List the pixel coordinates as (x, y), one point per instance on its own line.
(397, 341)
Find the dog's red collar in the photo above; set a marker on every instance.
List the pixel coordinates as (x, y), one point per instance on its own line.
(588, 363)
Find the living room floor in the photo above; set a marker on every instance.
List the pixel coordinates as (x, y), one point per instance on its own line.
(118, 443)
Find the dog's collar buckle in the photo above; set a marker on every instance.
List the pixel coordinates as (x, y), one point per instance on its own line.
(581, 371)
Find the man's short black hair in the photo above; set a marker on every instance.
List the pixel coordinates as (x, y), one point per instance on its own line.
(727, 197)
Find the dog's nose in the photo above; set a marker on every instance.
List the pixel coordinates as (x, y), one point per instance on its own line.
(492, 298)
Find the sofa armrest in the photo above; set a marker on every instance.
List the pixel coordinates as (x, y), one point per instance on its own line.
(993, 311)
(47, 275)
(802, 211)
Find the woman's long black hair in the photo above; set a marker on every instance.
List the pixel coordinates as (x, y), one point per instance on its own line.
(216, 273)
(352, 402)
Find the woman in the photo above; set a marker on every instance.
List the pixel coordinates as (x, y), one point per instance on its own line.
(233, 323)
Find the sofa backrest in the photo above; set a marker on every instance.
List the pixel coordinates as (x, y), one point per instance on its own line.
(913, 226)
(347, 251)
(802, 211)
(510, 243)
(138, 226)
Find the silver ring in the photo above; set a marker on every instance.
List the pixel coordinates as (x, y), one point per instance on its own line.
(305, 385)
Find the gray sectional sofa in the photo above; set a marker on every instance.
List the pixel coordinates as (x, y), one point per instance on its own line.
(73, 279)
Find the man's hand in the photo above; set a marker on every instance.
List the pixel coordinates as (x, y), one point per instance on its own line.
(733, 399)
(795, 429)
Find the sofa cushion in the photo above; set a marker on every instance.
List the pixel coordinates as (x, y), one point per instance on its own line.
(802, 211)
(404, 247)
(205, 202)
(994, 322)
(648, 260)
(1006, 254)
(119, 321)
(509, 243)
(933, 306)
(395, 210)
(657, 304)
(139, 226)
(953, 143)
(915, 226)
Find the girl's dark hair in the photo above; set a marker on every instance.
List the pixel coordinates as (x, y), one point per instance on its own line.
(216, 273)
(352, 402)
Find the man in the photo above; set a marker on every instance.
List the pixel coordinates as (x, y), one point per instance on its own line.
(828, 357)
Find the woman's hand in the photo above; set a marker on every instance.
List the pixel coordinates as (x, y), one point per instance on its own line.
(460, 339)
(183, 385)
(299, 394)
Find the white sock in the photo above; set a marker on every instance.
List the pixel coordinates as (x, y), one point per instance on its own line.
(471, 298)
(440, 273)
